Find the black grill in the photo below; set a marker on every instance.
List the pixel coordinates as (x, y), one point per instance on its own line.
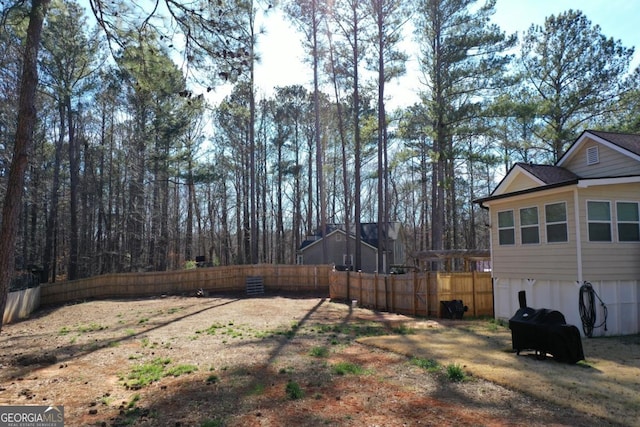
(454, 309)
(546, 332)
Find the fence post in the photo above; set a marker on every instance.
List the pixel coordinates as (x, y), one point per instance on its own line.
(375, 295)
(474, 289)
(415, 293)
(393, 293)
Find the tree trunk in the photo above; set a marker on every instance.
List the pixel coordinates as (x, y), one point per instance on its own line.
(357, 150)
(52, 218)
(74, 177)
(23, 142)
(322, 202)
(382, 147)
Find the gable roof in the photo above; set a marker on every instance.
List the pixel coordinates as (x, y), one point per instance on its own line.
(368, 233)
(625, 143)
(318, 239)
(549, 174)
(541, 176)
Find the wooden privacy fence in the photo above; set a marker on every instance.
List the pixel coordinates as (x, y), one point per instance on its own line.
(417, 294)
(283, 278)
(414, 293)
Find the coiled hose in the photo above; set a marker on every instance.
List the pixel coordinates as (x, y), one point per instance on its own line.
(587, 305)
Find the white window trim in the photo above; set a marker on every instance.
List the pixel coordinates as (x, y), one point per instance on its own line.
(513, 227)
(536, 225)
(597, 221)
(617, 234)
(547, 222)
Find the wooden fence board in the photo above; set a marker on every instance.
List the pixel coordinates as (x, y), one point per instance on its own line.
(226, 279)
(415, 293)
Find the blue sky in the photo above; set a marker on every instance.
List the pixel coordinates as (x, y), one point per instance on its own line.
(620, 19)
(617, 18)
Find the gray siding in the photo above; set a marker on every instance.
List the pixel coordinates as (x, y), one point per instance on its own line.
(336, 250)
(612, 163)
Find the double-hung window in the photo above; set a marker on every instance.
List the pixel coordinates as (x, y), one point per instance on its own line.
(599, 221)
(556, 220)
(628, 219)
(529, 229)
(506, 228)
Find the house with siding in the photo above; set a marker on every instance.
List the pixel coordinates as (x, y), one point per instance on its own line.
(337, 238)
(570, 231)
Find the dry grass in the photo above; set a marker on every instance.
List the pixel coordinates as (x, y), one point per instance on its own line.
(606, 384)
(226, 361)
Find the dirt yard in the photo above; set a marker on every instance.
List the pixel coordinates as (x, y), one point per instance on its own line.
(279, 361)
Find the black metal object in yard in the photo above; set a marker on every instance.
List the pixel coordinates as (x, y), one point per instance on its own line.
(453, 309)
(546, 332)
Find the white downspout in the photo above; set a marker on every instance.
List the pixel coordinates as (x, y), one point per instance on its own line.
(576, 209)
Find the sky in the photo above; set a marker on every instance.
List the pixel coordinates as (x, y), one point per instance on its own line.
(282, 54)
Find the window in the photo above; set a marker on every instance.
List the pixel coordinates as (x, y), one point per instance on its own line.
(556, 219)
(628, 222)
(599, 221)
(347, 260)
(506, 229)
(592, 156)
(529, 230)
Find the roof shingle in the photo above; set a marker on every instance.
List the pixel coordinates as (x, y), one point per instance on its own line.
(549, 174)
(628, 141)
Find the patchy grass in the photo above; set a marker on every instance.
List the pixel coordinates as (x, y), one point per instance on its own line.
(455, 372)
(344, 368)
(293, 390)
(153, 371)
(212, 423)
(322, 334)
(145, 374)
(319, 352)
(176, 371)
(92, 327)
(428, 365)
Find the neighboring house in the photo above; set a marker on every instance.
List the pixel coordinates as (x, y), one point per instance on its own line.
(310, 251)
(555, 228)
